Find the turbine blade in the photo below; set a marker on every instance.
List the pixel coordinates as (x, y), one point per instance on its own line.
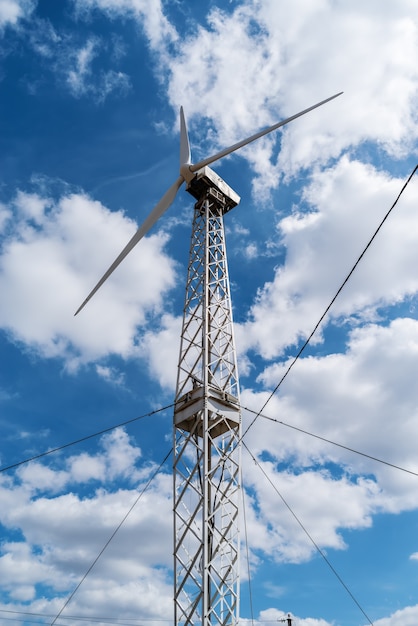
(266, 131)
(156, 213)
(185, 154)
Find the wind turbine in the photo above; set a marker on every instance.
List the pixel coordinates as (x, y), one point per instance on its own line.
(207, 414)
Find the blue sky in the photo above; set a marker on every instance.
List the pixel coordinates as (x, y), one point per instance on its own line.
(89, 117)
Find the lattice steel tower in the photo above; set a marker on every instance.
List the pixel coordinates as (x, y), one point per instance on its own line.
(207, 425)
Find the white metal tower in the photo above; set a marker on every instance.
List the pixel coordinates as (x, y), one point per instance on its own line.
(207, 425)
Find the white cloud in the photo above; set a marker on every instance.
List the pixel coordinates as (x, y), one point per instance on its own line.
(12, 11)
(345, 205)
(85, 467)
(120, 454)
(268, 616)
(116, 461)
(326, 505)
(110, 374)
(160, 346)
(82, 60)
(251, 251)
(252, 66)
(278, 71)
(407, 616)
(349, 399)
(63, 534)
(5, 215)
(38, 477)
(48, 265)
(86, 66)
(149, 13)
(264, 67)
(83, 80)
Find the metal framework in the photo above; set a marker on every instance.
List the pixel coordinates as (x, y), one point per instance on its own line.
(207, 424)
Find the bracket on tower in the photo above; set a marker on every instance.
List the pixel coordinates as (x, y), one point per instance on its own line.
(224, 411)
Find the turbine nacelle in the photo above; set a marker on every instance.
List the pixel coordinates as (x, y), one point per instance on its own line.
(190, 172)
(206, 178)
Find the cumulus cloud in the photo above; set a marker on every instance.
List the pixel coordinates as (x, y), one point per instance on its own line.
(48, 264)
(63, 533)
(350, 399)
(249, 67)
(116, 461)
(407, 616)
(325, 504)
(279, 70)
(323, 239)
(240, 71)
